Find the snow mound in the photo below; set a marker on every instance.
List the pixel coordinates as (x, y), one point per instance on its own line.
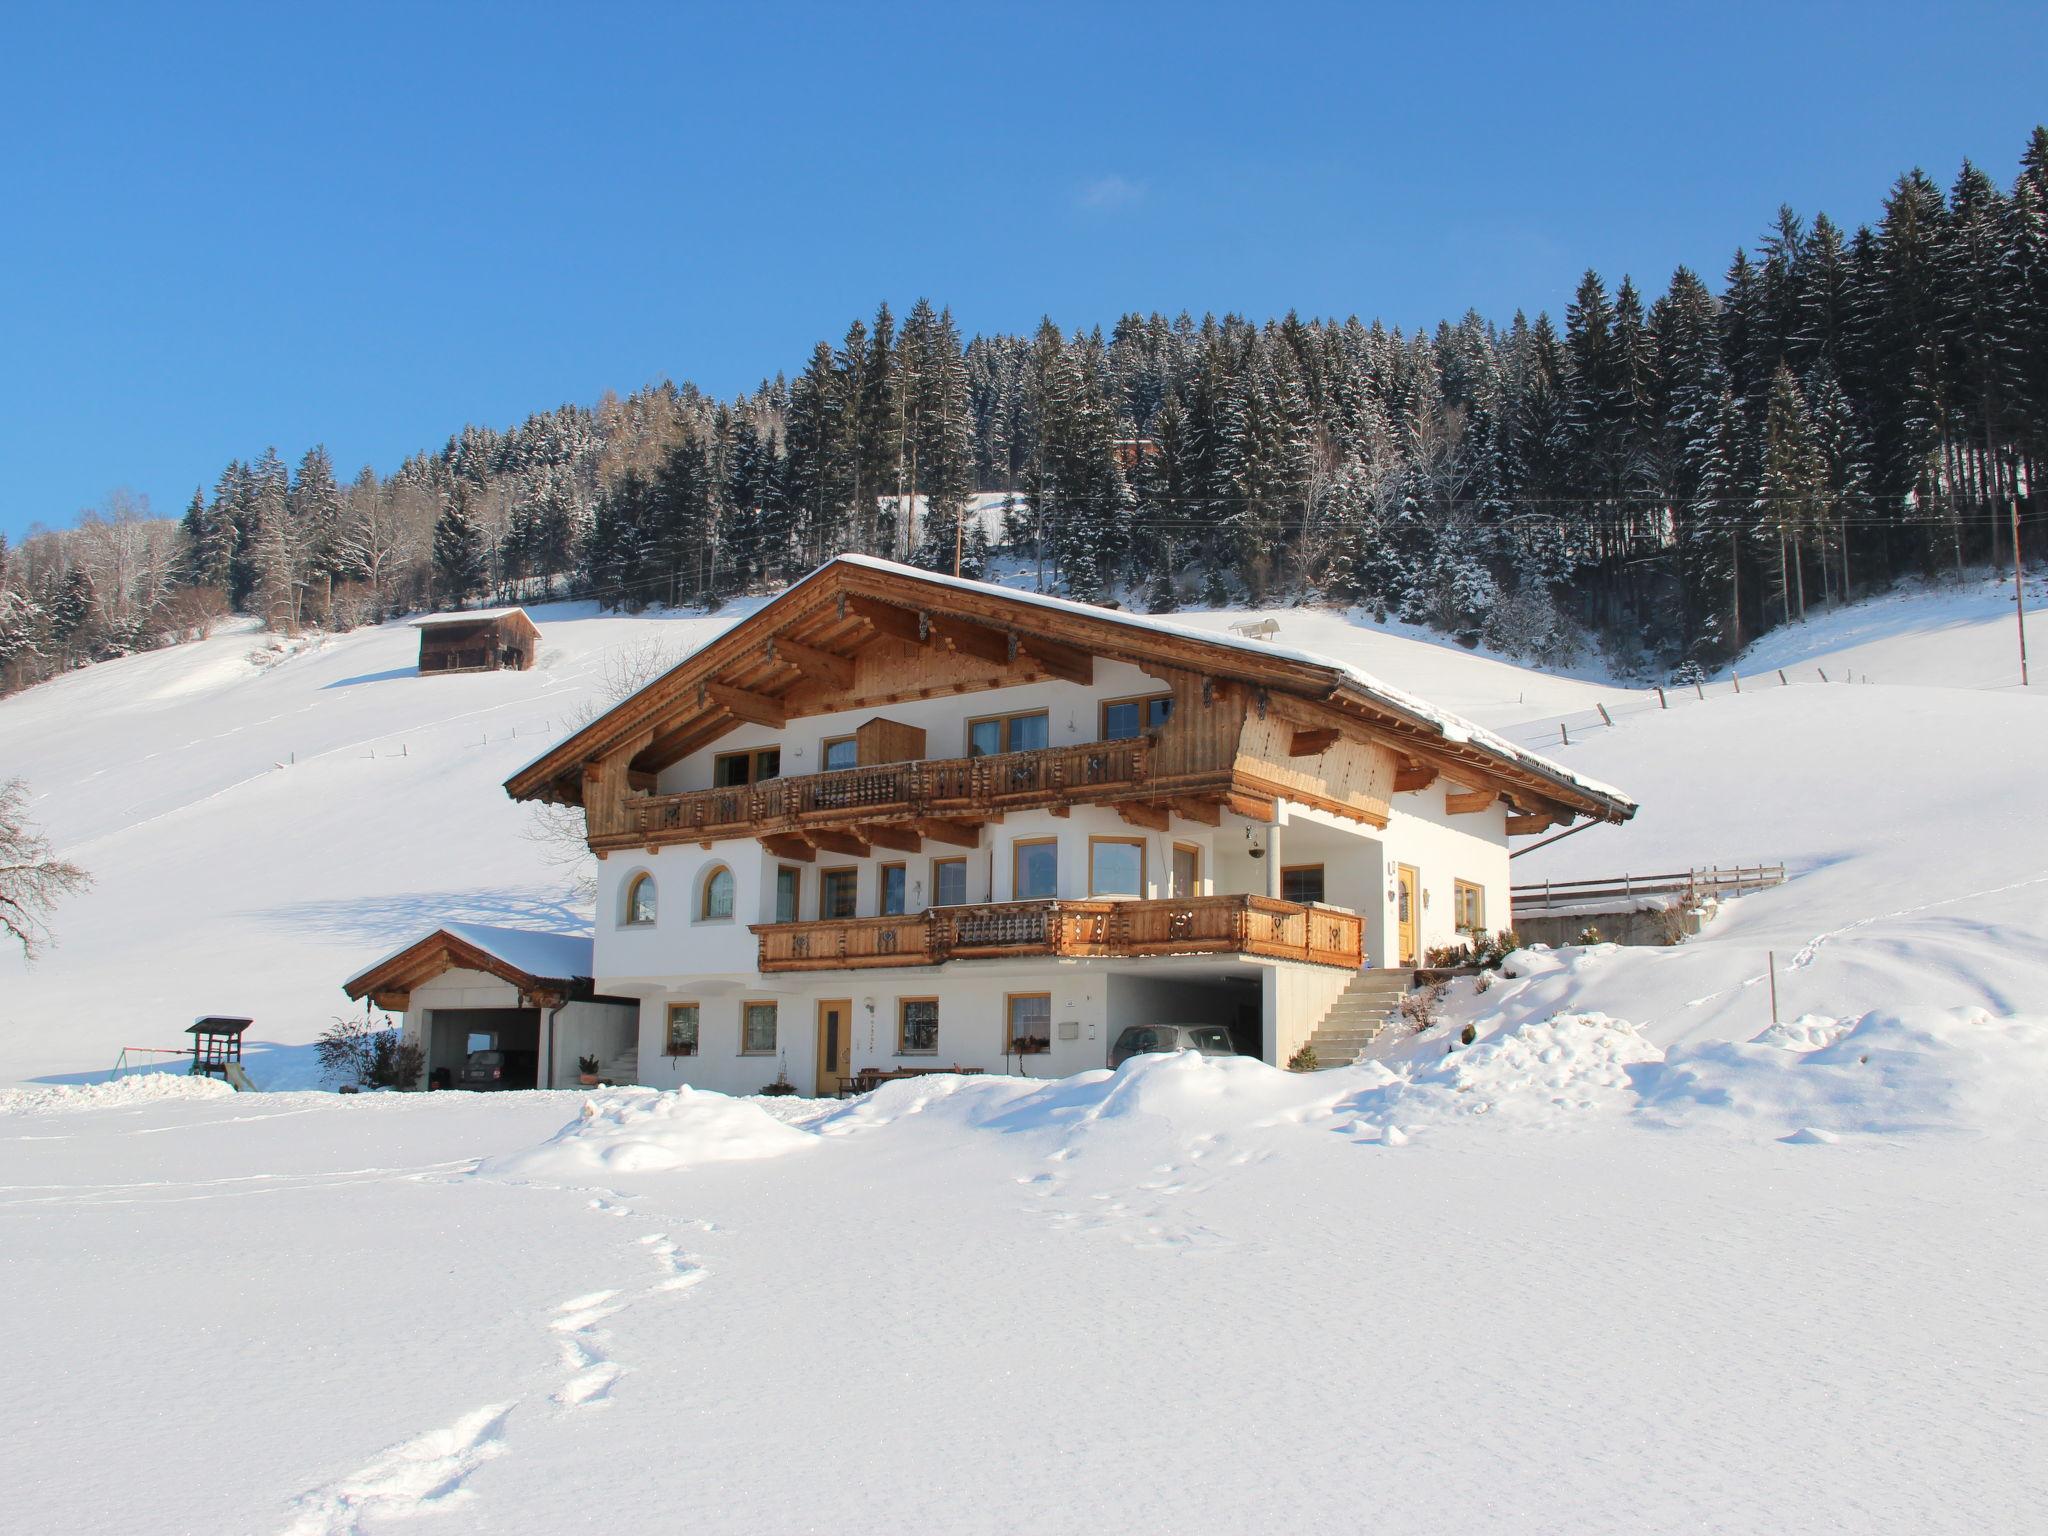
(1918, 1070)
(118, 1093)
(1539, 1073)
(652, 1133)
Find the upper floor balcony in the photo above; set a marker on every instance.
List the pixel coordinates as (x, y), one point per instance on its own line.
(1119, 929)
(942, 789)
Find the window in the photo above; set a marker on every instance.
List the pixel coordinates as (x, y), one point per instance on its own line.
(1123, 719)
(1116, 866)
(788, 887)
(717, 903)
(1028, 1023)
(640, 899)
(1007, 733)
(1034, 869)
(682, 1029)
(839, 752)
(894, 886)
(949, 882)
(917, 1026)
(1301, 882)
(838, 892)
(757, 1029)
(1470, 903)
(732, 769)
(1186, 880)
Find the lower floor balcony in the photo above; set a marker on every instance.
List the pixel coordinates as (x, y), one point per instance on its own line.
(1107, 929)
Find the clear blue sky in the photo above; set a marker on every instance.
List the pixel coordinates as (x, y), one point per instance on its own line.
(221, 229)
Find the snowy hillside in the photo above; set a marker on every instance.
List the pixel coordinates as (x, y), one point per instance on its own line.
(1635, 1261)
(257, 832)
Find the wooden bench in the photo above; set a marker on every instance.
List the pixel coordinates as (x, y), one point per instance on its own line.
(868, 1079)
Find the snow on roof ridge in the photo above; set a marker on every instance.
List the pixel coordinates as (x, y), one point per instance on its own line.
(1451, 727)
(470, 615)
(538, 952)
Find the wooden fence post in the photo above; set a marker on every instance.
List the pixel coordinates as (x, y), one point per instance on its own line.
(1738, 680)
(1603, 712)
(1563, 733)
(1781, 679)
(1660, 700)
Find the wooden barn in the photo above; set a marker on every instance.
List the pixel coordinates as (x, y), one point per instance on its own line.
(487, 640)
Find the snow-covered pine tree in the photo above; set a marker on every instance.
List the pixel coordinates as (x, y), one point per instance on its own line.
(459, 571)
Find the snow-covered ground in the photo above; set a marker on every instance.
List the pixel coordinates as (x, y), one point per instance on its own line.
(1637, 1260)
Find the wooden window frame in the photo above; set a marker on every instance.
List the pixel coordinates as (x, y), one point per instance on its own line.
(1288, 869)
(796, 898)
(1017, 847)
(711, 872)
(634, 881)
(825, 747)
(938, 863)
(882, 888)
(1009, 1040)
(903, 1004)
(775, 1012)
(1144, 865)
(1177, 849)
(752, 756)
(1141, 700)
(668, 1030)
(1002, 724)
(825, 887)
(1478, 892)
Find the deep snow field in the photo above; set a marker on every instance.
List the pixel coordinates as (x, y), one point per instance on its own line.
(1637, 1260)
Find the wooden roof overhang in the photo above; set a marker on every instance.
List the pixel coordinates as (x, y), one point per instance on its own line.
(390, 982)
(800, 654)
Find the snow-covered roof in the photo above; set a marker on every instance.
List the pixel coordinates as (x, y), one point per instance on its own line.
(560, 957)
(472, 616)
(1339, 677)
(1452, 728)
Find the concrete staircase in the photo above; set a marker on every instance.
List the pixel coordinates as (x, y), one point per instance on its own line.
(1357, 1017)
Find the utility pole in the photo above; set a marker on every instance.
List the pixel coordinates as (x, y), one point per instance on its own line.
(2019, 589)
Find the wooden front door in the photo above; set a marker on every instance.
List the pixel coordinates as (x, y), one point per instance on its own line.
(835, 1044)
(1408, 899)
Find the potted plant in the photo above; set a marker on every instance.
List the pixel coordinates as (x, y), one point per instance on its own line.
(586, 1070)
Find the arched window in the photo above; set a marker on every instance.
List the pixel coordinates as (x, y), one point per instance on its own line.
(640, 899)
(717, 901)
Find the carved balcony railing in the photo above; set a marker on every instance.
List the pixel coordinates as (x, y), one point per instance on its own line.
(1201, 925)
(934, 787)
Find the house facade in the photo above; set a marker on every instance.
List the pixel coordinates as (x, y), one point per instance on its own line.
(894, 821)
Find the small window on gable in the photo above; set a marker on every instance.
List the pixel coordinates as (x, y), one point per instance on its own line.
(1126, 719)
(1301, 883)
(1007, 733)
(840, 752)
(838, 892)
(894, 888)
(718, 891)
(640, 899)
(949, 882)
(1470, 901)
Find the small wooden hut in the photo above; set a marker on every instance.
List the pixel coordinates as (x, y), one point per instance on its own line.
(487, 640)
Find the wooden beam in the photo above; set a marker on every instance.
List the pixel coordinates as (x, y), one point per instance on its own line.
(1413, 776)
(787, 846)
(1313, 742)
(1208, 812)
(1139, 814)
(1062, 661)
(961, 834)
(673, 745)
(1520, 826)
(756, 707)
(972, 639)
(1252, 807)
(891, 834)
(816, 665)
(887, 619)
(1465, 804)
(833, 840)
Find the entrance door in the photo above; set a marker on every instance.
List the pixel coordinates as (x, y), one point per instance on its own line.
(835, 1043)
(1409, 899)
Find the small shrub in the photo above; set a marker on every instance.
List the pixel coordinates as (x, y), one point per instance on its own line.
(395, 1062)
(588, 1065)
(1589, 935)
(1484, 983)
(1420, 1007)
(359, 1053)
(1304, 1059)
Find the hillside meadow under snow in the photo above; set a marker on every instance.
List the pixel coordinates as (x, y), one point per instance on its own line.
(1636, 1260)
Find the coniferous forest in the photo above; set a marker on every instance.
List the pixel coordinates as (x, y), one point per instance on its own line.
(1668, 475)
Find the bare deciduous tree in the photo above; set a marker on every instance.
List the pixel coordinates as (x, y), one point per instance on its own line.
(32, 879)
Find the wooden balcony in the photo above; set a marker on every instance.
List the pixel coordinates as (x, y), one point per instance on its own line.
(1201, 925)
(936, 788)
